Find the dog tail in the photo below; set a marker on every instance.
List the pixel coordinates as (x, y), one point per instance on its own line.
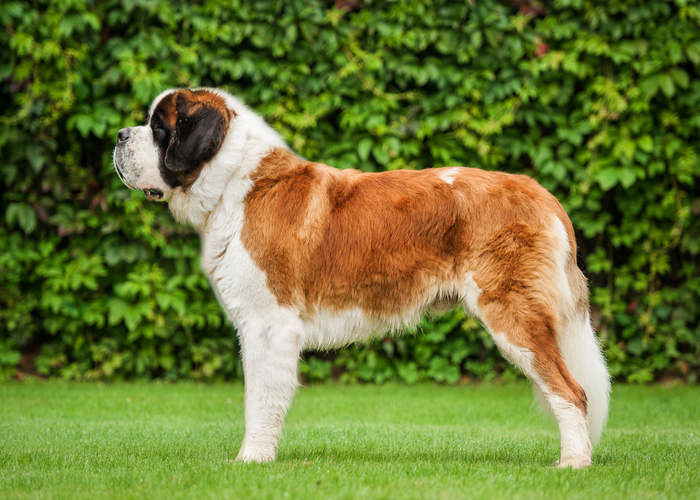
(584, 358)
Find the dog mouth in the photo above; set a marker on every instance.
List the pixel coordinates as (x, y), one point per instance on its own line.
(121, 176)
(153, 194)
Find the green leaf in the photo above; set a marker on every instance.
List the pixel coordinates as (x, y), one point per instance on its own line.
(84, 124)
(99, 128)
(442, 371)
(650, 85)
(693, 53)
(666, 84)
(627, 177)
(117, 309)
(627, 147)
(381, 153)
(8, 356)
(35, 156)
(607, 178)
(363, 148)
(132, 317)
(476, 39)
(680, 77)
(645, 143)
(408, 373)
(23, 214)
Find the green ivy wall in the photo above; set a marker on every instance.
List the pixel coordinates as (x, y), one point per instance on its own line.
(599, 101)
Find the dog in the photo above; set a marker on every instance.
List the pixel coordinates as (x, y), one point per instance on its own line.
(303, 255)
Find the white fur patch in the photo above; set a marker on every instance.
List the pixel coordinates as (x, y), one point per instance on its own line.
(521, 357)
(137, 161)
(332, 329)
(448, 174)
(472, 292)
(562, 252)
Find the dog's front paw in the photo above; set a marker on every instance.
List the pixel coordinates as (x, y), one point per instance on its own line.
(251, 458)
(253, 454)
(574, 463)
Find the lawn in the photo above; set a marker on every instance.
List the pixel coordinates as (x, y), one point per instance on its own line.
(92, 441)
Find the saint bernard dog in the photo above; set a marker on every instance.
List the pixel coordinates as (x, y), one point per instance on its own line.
(306, 256)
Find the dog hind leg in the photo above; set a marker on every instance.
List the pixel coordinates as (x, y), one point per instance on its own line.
(524, 332)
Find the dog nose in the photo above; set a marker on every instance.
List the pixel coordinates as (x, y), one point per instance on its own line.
(123, 134)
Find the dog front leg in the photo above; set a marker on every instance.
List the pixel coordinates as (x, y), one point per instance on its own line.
(270, 356)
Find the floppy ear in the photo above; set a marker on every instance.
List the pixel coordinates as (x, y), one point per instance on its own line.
(202, 121)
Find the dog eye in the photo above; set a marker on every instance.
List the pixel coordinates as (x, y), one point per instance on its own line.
(158, 132)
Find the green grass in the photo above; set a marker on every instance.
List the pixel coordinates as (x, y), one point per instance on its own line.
(178, 441)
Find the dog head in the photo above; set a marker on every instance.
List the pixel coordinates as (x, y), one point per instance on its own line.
(185, 130)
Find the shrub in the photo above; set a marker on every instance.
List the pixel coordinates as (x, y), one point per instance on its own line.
(598, 101)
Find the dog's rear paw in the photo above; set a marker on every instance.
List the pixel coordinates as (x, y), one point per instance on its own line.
(250, 459)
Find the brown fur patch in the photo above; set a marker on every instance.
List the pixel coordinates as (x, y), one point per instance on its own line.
(165, 112)
(333, 238)
(394, 242)
(372, 240)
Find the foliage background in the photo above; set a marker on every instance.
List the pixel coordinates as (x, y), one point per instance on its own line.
(600, 101)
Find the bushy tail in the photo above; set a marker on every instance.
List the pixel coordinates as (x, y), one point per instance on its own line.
(584, 358)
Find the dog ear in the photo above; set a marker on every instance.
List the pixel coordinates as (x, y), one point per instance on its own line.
(200, 129)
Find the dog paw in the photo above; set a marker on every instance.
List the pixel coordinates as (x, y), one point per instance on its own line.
(248, 459)
(250, 456)
(573, 463)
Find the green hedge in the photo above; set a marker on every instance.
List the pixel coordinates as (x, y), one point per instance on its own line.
(600, 101)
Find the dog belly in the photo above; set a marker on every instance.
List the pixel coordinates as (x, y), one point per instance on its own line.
(330, 329)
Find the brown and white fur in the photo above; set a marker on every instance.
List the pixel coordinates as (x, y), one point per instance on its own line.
(303, 255)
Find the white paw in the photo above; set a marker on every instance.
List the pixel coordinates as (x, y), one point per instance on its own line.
(250, 454)
(574, 463)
